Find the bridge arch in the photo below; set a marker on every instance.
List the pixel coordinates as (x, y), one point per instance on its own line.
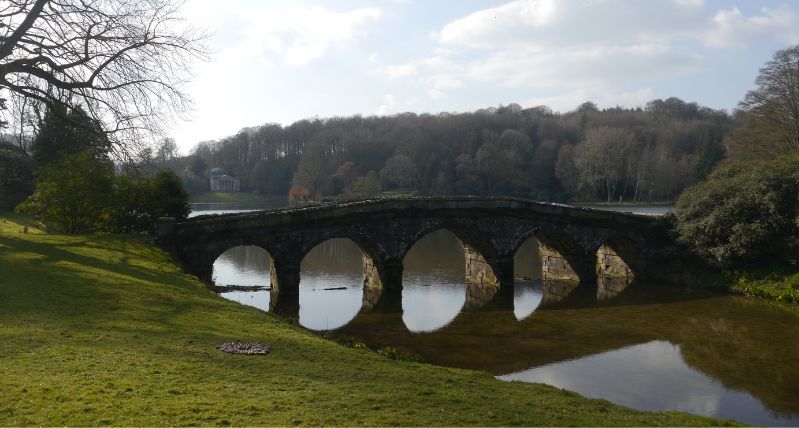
(618, 259)
(369, 247)
(466, 234)
(433, 289)
(240, 259)
(527, 258)
(202, 262)
(331, 284)
(483, 265)
(200, 259)
(378, 274)
(562, 259)
(619, 256)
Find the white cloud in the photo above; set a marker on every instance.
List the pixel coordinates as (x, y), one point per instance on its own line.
(436, 94)
(638, 97)
(258, 47)
(582, 66)
(388, 105)
(604, 97)
(546, 23)
(690, 3)
(606, 45)
(294, 35)
(487, 27)
(731, 28)
(403, 70)
(283, 60)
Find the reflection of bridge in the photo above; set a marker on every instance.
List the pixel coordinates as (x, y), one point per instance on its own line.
(486, 335)
(576, 244)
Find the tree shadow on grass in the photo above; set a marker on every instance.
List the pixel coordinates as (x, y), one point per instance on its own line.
(48, 253)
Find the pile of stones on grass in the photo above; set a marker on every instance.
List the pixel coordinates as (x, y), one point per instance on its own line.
(246, 348)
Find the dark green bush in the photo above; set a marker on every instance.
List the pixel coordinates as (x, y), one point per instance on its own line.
(139, 202)
(16, 176)
(80, 194)
(72, 194)
(745, 213)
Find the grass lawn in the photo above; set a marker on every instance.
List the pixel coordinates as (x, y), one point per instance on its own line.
(106, 330)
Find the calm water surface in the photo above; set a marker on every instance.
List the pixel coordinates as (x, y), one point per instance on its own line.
(635, 209)
(230, 208)
(650, 347)
(207, 209)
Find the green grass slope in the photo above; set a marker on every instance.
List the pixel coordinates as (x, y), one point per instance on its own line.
(106, 330)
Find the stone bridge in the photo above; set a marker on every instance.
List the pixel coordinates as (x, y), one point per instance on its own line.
(577, 245)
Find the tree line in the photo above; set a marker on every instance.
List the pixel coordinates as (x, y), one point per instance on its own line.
(588, 154)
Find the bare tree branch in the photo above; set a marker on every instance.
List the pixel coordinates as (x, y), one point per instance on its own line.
(773, 106)
(126, 62)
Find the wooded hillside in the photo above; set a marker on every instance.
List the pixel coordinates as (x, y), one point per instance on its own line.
(649, 153)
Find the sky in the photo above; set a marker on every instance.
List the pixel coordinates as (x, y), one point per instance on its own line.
(282, 61)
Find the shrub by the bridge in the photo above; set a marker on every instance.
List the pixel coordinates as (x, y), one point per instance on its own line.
(743, 214)
(80, 194)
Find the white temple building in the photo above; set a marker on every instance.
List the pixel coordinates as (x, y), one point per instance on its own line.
(221, 182)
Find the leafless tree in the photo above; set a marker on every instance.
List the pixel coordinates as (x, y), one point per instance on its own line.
(125, 62)
(772, 109)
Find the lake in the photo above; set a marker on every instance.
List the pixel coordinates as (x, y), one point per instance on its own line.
(206, 208)
(201, 208)
(647, 346)
(633, 208)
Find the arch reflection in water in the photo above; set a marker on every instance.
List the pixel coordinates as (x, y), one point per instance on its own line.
(433, 284)
(324, 271)
(528, 290)
(527, 297)
(331, 284)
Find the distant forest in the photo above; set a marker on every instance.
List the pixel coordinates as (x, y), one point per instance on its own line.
(641, 154)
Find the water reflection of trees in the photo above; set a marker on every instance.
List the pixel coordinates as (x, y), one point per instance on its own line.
(247, 257)
(334, 256)
(436, 258)
(743, 344)
(244, 260)
(527, 260)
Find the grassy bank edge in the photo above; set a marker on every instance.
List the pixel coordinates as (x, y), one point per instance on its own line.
(777, 283)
